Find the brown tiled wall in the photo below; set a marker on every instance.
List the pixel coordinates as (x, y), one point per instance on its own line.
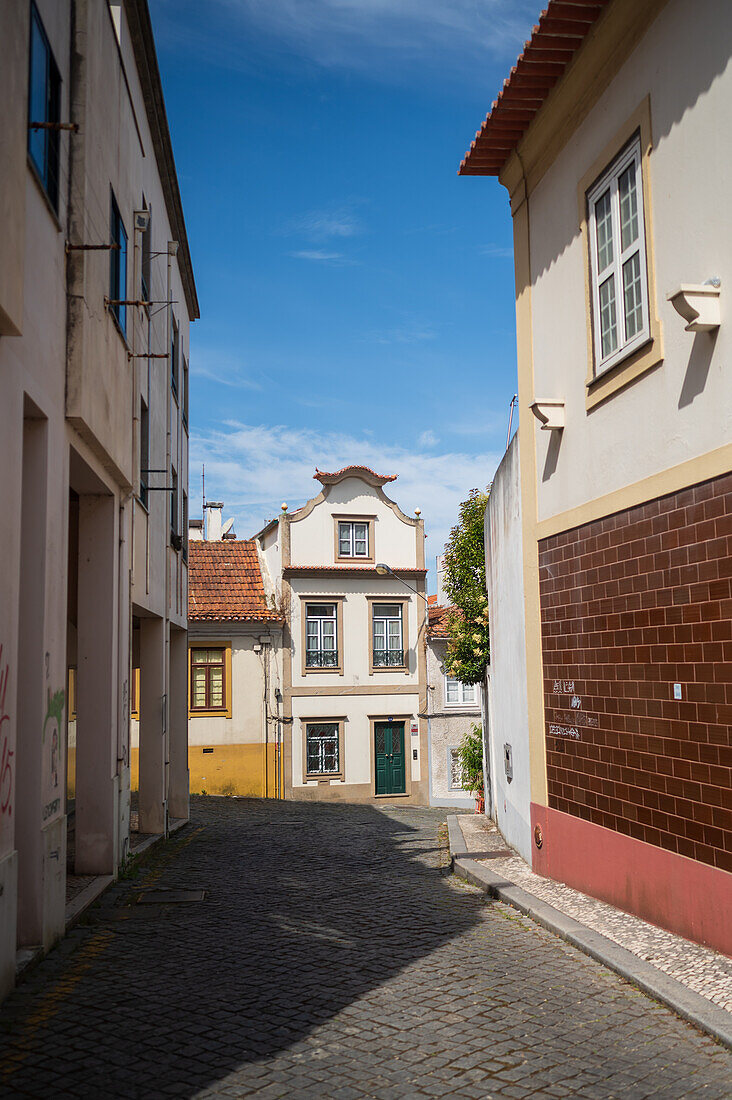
(631, 605)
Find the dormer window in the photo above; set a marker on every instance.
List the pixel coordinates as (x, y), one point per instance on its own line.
(354, 538)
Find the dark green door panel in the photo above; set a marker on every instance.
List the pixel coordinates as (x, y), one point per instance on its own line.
(390, 758)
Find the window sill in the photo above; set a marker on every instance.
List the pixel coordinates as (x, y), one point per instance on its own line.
(376, 669)
(318, 777)
(223, 712)
(350, 559)
(336, 670)
(625, 371)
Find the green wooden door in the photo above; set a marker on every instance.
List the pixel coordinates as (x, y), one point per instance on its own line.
(390, 761)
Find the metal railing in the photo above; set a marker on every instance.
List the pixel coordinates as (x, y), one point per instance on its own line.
(321, 658)
(388, 658)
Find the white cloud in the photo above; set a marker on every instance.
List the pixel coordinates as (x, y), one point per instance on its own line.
(428, 439)
(320, 225)
(253, 468)
(356, 34)
(222, 368)
(496, 250)
(321, 255)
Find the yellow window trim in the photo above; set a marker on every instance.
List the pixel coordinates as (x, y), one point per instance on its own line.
(220, 712)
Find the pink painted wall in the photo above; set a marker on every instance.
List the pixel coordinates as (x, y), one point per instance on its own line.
(677, 893)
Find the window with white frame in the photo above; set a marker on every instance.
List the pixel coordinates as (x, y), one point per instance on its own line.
(353, 539)
(321, 635)
(459, 695)
(322, 748)
(387, 635)
(619, 274)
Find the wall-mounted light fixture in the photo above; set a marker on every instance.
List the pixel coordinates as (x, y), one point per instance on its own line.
(698, 305)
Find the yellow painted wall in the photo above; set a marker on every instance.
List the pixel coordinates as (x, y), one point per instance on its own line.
(228, 770)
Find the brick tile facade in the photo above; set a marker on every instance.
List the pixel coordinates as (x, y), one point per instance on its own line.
(631, 605)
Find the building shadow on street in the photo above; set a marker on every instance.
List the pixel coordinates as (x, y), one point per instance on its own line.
(306, 908)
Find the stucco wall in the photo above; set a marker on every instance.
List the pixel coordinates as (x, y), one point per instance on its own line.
(682, 408)
(312, 540)
(358, 749)
(507, 700)
(447, 725)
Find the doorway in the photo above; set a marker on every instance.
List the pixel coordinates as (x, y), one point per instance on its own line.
(390, 760)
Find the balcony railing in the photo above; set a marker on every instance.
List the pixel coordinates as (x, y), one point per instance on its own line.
(321, 658)
(388, 658)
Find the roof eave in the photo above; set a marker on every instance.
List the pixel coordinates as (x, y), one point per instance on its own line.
(143, 44)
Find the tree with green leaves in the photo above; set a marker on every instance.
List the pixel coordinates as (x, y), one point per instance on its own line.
(470, 754)
(468, 649)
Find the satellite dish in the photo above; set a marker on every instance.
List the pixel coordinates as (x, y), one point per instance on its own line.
(227, 527)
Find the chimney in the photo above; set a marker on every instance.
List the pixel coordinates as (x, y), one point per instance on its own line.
(212, 522)
(440, 561)
(195, 530)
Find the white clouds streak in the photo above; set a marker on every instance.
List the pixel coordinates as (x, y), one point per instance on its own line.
(356, 34)
(320, 255)
(253, 468)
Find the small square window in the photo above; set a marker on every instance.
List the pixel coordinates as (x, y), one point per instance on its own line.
(459, 695)
(322, 748)
(619, 277)
(353, 539)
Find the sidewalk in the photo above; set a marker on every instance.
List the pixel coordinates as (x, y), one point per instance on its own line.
(694, 981)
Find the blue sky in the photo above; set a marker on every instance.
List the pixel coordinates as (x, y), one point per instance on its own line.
(356, 294)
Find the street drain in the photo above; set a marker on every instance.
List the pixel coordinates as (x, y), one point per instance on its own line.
(163, 896)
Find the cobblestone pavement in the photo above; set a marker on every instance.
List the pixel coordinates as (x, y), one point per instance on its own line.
(699, 968)
(329, 958)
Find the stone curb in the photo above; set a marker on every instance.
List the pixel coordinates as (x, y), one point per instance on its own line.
(684, 1002)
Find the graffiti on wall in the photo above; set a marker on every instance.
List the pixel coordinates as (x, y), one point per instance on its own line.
(6, 753)
(54, 716)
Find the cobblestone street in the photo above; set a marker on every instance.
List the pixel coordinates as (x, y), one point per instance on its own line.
(328, 957)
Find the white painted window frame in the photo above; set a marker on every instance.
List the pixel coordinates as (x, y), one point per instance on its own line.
(462, 702)
(630, 155)
(351, 525)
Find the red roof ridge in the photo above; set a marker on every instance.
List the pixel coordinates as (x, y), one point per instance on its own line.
(328, 478)
(562, 28)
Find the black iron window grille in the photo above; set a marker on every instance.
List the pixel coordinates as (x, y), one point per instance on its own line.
(321, 658)
(388, 658)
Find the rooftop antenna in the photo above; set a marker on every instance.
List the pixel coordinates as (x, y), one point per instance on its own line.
(203, 498)
(511, 407)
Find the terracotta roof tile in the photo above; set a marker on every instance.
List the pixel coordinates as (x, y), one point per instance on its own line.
(225, 582)
(561, 30)
(437, 625)
(322, 476)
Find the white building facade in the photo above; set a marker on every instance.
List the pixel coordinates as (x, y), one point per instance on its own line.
(614, 160)
(453, 708)
(354, 673)
(93, 438)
